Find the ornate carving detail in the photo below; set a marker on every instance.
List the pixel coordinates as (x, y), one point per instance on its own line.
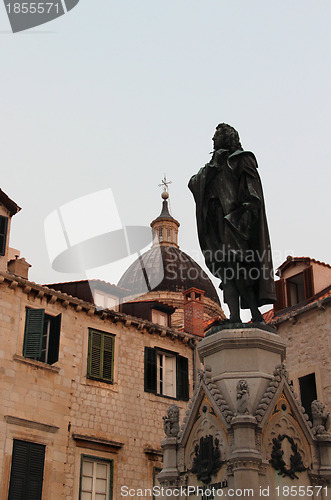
(279, 373)
(258, 440)
(277, 458)
(207, 460)
(171, 421)
(321, 418)
(180, 457)
(242, 397)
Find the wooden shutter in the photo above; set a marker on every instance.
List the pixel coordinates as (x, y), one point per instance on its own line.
(280, 295)
(27, 470)
(308, 282)
(34, 324)
(54, 340)
(108, 357)
(150, 370)
(3, 234)
(101, 356)
(182, 379)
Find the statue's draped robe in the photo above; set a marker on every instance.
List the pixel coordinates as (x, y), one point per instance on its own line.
(231, 220)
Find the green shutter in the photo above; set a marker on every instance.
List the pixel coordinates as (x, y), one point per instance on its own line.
(54, 340)
(108, 357)
(150, 370)
(34, 324)
(27, 470)
(182, 378)
(101, 356)
(3, 234)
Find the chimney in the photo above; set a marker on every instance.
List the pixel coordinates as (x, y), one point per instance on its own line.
(193, 311)
(19, 267)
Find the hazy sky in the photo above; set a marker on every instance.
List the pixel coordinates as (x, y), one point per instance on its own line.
(115, 94)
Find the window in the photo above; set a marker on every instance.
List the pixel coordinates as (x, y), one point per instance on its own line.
(295, 289)
(100, 363)
(41, 336)
(96, 481)
(105, 301)
(3, 234)
(27, 470)
(160, 233)
(160, 317)
(166, 374)
(308, 392)
(168, 234)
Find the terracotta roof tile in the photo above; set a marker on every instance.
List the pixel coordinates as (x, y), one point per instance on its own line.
(289, 260)
(270, 316)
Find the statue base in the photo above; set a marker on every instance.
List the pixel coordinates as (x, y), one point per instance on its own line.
(227, 325)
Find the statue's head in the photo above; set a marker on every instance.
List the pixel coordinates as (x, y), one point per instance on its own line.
(226, 137)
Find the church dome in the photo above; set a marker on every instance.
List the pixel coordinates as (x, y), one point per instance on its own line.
(164, 272)
(166, 268)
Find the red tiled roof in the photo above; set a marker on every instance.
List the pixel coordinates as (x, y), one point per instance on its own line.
(209, 322)
(281, 316)
(289, 260)
(96, 281)
(8, 203)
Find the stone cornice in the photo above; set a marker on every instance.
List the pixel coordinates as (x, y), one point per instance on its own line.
(31, 424)
(65, 300)
(242, 338)
(85, 441)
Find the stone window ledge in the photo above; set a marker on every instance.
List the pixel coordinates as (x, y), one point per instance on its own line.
(94, 443)
(37, 364)
(100, 384)
(10, 419)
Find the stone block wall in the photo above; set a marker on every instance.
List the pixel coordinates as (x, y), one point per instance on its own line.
(58, 406)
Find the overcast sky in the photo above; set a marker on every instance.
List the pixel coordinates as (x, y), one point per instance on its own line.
(115, 94)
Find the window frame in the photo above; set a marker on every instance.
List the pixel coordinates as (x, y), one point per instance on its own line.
(100, 377)
(34, 335)
(182, 389)
(94, 458)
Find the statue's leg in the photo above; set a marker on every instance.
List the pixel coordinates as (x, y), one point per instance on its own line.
(247, 292)
(231, 297)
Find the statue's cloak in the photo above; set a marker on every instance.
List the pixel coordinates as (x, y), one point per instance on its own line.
(231, 220)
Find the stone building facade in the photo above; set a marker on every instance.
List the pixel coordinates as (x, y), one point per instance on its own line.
(302, 316)
(83, 390)
(73, 411)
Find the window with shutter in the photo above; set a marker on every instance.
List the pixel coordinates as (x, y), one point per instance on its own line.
(41, 336)
(96, 481)
(3, 234)
(166, 374)
(100, 363)
(27, 470)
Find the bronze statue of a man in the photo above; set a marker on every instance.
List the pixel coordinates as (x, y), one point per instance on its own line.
(232, 225)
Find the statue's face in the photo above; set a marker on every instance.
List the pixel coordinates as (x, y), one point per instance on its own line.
(219, 139)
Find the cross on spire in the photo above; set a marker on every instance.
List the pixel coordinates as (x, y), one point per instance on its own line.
(165, 184)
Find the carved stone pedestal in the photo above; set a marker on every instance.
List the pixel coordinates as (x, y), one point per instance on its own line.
(244, 429)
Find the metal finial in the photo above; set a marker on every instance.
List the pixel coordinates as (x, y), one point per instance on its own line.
(165, 184)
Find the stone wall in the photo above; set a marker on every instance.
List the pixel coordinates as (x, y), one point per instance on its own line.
(308, 347)
(58, 406)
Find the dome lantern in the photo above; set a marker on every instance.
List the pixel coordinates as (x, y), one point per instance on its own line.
(165, 227)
